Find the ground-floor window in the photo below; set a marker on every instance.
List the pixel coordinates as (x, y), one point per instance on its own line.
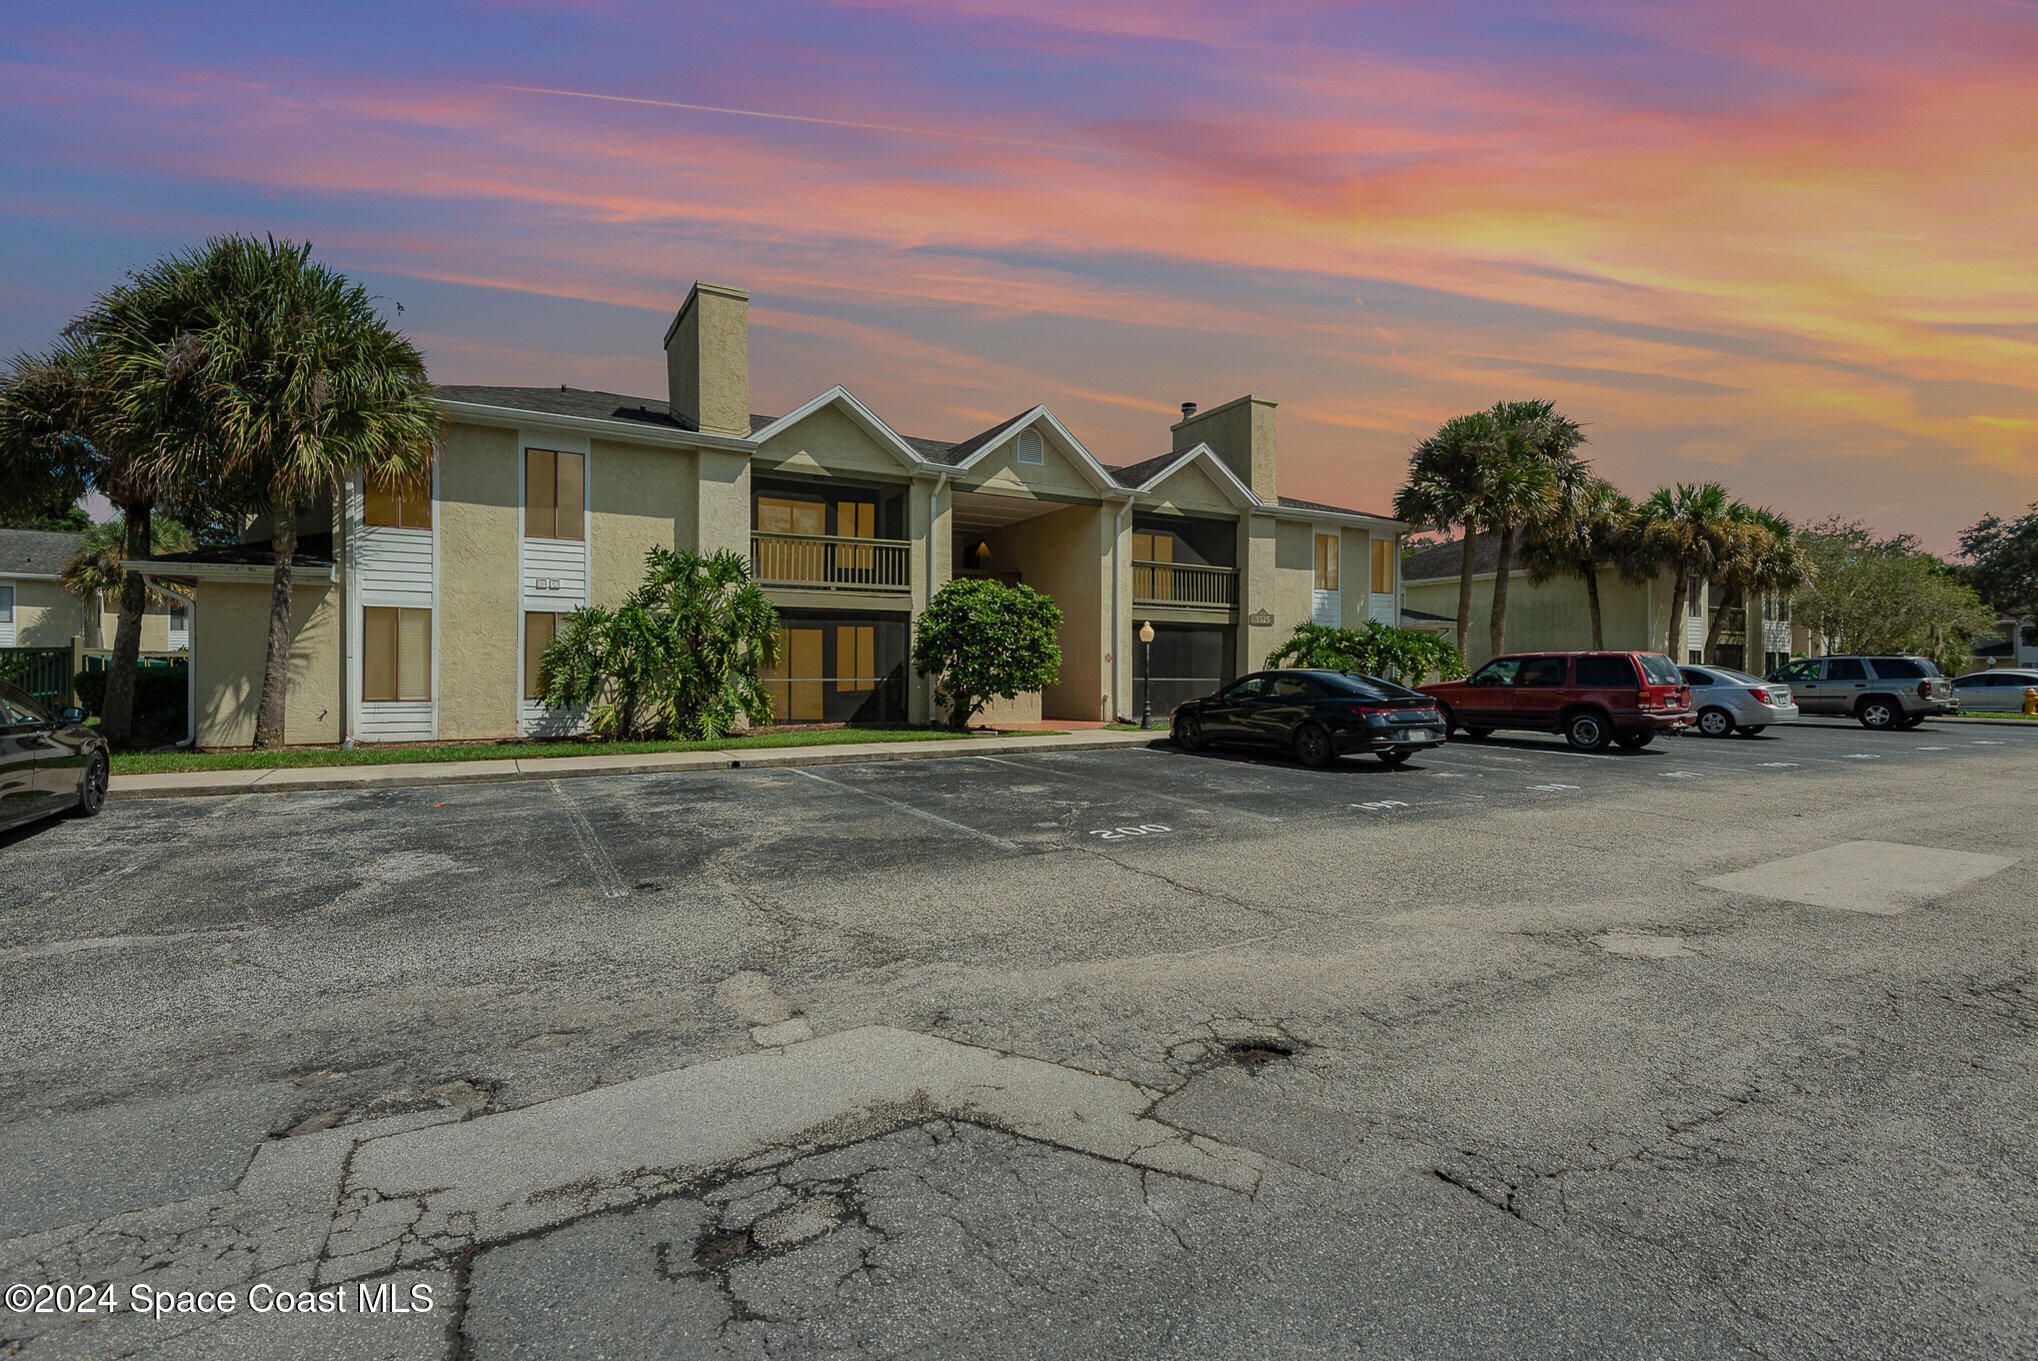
(1187, 661)
(838, 668)
(539, 631)
(396, 653)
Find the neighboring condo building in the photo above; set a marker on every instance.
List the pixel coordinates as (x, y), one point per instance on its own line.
(421, 611)
(36, 611)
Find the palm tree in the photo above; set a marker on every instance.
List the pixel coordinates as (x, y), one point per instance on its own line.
(1448, 477)
(1761, 556)
(273, 380)
(1687, 530)
(62, 421)
(1588, 529)
(97, 571)
(1536, 462)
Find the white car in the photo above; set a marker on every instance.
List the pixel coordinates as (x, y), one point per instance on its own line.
(1728, 702)
(1994, 692)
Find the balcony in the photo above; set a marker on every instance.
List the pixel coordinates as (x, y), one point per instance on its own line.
(1188, 585)
(826, 562)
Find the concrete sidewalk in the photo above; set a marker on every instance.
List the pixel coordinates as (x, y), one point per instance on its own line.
(184, 784)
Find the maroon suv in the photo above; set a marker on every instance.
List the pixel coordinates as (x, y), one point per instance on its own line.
(1591, 697)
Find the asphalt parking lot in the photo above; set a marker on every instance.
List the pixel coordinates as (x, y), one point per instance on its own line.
(1717, 1048)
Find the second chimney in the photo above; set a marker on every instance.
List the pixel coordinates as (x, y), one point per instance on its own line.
(707, 360)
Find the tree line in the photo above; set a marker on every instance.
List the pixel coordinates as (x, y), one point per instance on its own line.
(1514, 472)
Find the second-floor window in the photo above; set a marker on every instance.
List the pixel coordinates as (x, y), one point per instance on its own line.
(1326, 562)
(398, 503)
(1383, 566)
(1153, 547)
(554, 500)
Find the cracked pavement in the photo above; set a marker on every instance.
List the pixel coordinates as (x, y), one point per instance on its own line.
(1508, 1051)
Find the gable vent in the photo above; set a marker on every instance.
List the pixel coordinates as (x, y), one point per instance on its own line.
(1030, 450)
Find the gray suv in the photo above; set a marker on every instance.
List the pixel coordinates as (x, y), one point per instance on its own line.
(1883, 692)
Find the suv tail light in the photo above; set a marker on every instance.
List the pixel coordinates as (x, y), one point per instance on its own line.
(1924, 689)
(1645, 698)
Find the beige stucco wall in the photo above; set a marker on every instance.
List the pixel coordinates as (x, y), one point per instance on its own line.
(640, 497)
(707, 359)
(233, 650)
(1191, 489)
(1065, 555)
(1279, 562)
(828, 443)
(1241, 432)
(1553, 616)
(1058, 474)
(722, 507)
(47, 615)
(478, 615)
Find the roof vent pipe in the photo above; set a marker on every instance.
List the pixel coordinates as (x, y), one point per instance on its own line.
(1188, 410)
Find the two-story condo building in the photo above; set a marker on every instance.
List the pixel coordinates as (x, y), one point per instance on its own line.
(421, 611)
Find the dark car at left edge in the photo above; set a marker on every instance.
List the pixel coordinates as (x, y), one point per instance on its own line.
(1315, 715)
(49, 764)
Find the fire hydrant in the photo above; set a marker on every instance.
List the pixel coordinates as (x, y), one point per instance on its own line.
(2031, 701)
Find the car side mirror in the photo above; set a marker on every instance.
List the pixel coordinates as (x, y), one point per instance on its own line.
(72, 714)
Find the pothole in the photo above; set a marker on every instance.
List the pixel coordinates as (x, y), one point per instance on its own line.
(1254, 1055)
(719, 1249)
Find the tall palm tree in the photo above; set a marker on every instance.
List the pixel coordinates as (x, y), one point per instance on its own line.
(1686, 529)
(1537, 460)
(1448, 480)
(1762, 557)
(98, 571)
(1588, 529)
(274, 380)
(61, 413)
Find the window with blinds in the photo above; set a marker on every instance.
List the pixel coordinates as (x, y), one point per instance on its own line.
(855, 657)
(399, 503)
(539, 631)
(1326, 562)
(1383, 566)
(786, 515)
(396, 653)
(554, 495)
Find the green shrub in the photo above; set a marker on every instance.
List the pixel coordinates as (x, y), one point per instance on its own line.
(160, 708)
(1404, 656)
(984, 639)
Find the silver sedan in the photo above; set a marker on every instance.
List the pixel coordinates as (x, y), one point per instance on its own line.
(1728, 702)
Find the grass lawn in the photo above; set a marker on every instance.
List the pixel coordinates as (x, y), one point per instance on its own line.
(161, 762)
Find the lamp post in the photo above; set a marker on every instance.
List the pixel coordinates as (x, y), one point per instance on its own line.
(1146, 691)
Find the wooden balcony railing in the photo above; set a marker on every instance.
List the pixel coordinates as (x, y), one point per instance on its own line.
(824, 562)
(1190, 584)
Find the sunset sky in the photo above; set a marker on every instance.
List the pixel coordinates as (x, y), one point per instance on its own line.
(1790, 245)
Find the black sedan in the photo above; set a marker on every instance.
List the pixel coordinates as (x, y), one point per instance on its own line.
(1318, 715)
(47, 765)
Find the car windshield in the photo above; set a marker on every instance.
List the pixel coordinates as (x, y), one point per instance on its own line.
(1659, 669)
(30, 710)
(1365, 687)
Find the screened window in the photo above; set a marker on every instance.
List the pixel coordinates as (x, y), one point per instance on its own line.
(554, 486)
(6, 604)
(1383, 566)
(400, 503)
(795, 684)
(180, 618)
(396, 653)
(855, 657)
(1030, 448)
(1156, 547)
(539, 631)
(1615, 671)
(1695, 606)
(1326, 562)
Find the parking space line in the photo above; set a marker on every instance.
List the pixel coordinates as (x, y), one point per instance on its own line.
(591, 849)
(1143, 791)
(920, 813)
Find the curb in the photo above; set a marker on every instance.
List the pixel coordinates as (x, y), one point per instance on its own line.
(287, 780)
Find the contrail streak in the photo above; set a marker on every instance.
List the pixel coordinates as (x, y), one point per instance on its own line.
(795, 118)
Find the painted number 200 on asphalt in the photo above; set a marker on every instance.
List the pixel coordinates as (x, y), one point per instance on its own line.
(1121, 833)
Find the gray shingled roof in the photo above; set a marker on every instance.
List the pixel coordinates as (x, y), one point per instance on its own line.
(35, 552)
(1447, 559)
(1297, 503)
(958, 452)
(313, 550)
(1136, 474)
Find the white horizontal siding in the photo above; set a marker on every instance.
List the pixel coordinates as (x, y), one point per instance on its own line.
(1384, 610)
(394, 566)
(1324, 607)
(535, 720)
(555, 575)
(407, 720)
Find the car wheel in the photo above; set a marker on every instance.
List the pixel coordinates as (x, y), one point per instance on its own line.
(1313, 746)
(1394, 758)
(1188, 733)
(1587, 731)
(1450, 719)
(1877, 714)
(92, 791)
(1478, 734)
(1714, 721)
(1634, 741)
(1754, 729)
(1913, 722)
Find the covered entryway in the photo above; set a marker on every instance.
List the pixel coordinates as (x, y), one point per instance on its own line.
(1061, 551)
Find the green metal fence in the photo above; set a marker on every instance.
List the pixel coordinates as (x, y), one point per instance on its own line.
(44, 672)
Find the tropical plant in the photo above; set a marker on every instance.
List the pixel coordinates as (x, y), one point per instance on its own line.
(269, 379)
(1536, 465)
(1762, 557)
(1589, 528)
(1686, 529)
(64, 425)
(1448, 479)
(1877, 595)
(96, 572)
(681, 655)
(983, 639)
(1404, 656)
